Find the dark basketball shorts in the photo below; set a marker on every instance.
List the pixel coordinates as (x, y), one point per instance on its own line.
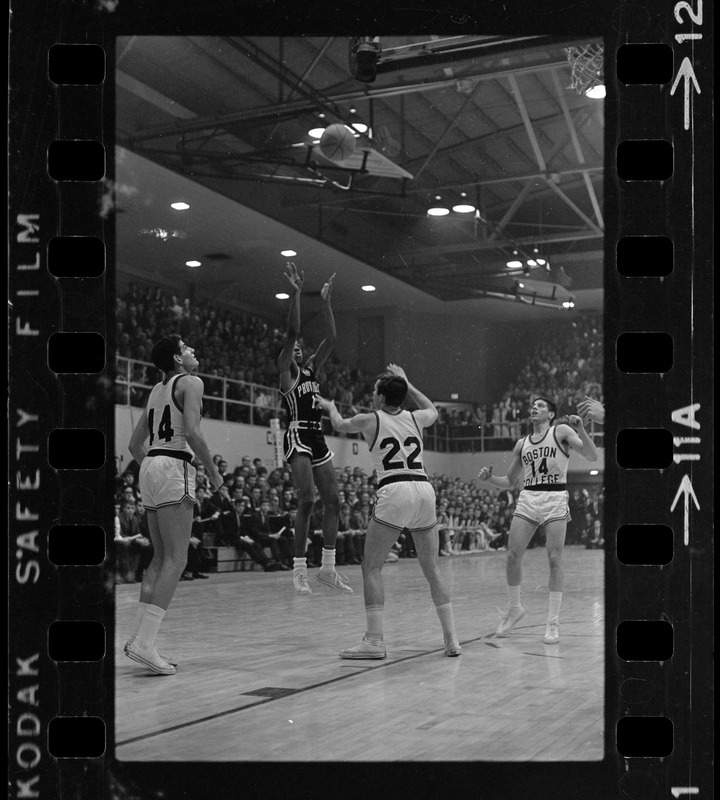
(307, 442)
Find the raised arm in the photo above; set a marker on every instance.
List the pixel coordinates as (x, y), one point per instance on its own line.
(286, 359)
(508, 480)
(360, 423)
(427, 413)
(576, 436)
(320, 356)
(191, 392)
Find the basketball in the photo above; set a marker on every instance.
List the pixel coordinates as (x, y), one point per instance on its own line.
(337, 142)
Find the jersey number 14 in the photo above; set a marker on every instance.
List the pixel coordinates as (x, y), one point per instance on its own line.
(165, 431)
(542, 468)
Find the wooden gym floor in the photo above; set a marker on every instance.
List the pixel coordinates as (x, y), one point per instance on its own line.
(259, 678)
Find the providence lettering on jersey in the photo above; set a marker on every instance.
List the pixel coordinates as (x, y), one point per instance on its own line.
(543, 463)
(299, 400)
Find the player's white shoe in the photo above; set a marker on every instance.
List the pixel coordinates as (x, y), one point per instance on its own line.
(334, 580)
(552, 632)
(170, 661)
(511, 618)
(148, 657)
(453, 649)
(300, 582)
(365, 650)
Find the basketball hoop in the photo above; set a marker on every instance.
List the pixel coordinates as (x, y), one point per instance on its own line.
(587, 64)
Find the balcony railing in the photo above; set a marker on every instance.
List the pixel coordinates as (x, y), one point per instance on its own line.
(230, 400)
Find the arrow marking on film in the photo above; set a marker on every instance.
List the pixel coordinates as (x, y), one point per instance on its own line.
(686, 489)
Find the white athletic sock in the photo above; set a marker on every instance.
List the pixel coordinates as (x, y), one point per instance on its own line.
(140, 611)
(514, 595)
(445, 613)
(328, 559)
(374, 616)
(300, 565)
(554, 605)
(149, 625)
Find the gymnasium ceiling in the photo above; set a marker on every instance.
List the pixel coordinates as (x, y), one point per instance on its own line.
(222, 123)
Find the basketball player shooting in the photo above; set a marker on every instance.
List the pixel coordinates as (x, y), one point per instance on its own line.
(542, 457)
(305, 449)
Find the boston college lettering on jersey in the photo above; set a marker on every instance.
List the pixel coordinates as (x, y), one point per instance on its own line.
(299, 401)
(544, 462)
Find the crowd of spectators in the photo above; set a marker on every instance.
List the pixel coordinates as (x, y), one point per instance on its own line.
(254, 512)
(230, 344)
(565, 366)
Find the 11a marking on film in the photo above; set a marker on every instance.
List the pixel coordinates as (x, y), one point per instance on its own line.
(686, 73)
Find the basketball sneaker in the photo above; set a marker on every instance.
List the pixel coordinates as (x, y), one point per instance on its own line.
(453, 649)
(300, 582)
(511, 618)
(170, 661)
(552, 632)
(365, 649)
(334, 580)
(148, 657)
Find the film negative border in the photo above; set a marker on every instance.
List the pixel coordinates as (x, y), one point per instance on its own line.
(71, 295)
(659, 337)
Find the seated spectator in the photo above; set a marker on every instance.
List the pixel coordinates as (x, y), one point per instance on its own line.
(596, 540)
(134, 551)
(261, 533)
(234, 535)
(346, 552)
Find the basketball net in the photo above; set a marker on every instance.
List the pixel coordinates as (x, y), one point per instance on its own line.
(277, 441)
(587, 66)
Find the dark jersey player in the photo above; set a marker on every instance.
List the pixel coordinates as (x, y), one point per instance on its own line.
(304, 444)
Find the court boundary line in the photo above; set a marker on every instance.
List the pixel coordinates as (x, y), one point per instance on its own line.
(361, 669)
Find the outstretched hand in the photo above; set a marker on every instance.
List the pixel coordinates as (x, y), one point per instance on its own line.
(326, 290)
(591, 409)
(394, 369)
(575, 422)
(321, 402)
(485, 473)
(295, 277)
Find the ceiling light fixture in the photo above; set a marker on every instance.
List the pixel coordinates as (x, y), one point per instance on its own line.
(316, 133)
(463, 208)
(179, 206)
(288, 253)
(514, 264)
(282, 296)
(193, 263)
(360, 127)
(368, 288)
(438, 210)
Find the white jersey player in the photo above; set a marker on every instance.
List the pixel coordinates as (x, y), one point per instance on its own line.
(405, 500)
(542, 458)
